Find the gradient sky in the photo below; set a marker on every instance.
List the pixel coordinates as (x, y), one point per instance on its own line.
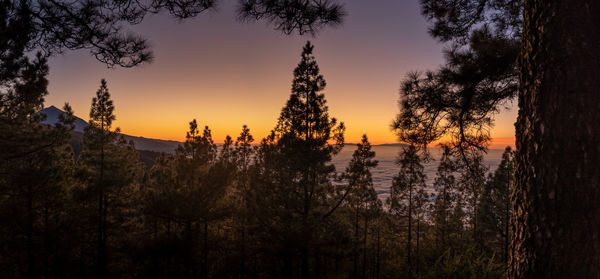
(225, 73)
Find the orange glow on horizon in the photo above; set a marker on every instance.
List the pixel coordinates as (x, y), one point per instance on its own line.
(501, 143)
(376, 137)
(226, 74)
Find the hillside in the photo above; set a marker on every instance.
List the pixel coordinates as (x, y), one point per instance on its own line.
(155, 145)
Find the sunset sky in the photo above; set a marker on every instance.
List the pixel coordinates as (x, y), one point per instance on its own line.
(225, 73)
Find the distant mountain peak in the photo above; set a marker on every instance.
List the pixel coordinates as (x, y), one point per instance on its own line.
(52, 109)
(52, 117)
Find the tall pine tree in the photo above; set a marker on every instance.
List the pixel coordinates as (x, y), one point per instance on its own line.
(446, 194)
(402, 201)
(301, 147)
(110, 170)
(362, 198)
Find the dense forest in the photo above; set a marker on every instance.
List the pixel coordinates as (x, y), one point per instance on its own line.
(276, 208)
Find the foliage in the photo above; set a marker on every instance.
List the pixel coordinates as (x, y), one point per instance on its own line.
(273, 210)
(54, 26)
(290, 16)
(479, 77)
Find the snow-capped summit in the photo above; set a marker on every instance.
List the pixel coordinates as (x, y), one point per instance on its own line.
(52, 113)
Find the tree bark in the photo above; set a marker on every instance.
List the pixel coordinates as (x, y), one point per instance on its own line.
(506, 233)
(409, 238)
(355, 252)
(102, 257)
(556, 217)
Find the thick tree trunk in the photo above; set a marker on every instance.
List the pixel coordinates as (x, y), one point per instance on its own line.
(355, 252)
(409, 238)
(556, 217)
(506, 233)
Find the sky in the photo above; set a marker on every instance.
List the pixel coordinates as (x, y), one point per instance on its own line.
(225, 73)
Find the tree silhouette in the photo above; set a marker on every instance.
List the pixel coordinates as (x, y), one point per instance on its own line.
(110, 170)
(34, 189)
(362, 196)
(53, 26)
(160, 198)
(472, 185)
(495, 207)
(98, 134)
(409, 181)
(203, 184)
(479, 78)
(243, 152)
(296, 15)
(304, 130)
(446, 188)
(295, 163)
(555, 56)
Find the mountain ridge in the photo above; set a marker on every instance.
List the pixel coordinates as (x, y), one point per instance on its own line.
(141, 143)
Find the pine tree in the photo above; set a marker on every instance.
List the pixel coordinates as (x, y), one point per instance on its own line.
(243, 153)
(409, 181)
(421, 206)
(159, 207)
(34, 189)
(33, 157)
(362, 196)
(456, 226)
(501, 190)
(297, 163)
(97, 26)
(472, 184)
(555, 44)
(556, 207)
(186, 191)
(203, 180)
(110, 170)
(446, 194)
(304, 130)
(459, 99)
(97, 136)
(226, 156)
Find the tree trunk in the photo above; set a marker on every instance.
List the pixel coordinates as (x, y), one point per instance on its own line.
(169, 254)
(365, 247)
(377, 265)
(102, 260)
(205, 260)
(243, 252)
(418, 244)
(556, 217)
(101, 223)
(506, 224)
(355, 252)
(187, 260)
(409, 240)
(30, 253)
